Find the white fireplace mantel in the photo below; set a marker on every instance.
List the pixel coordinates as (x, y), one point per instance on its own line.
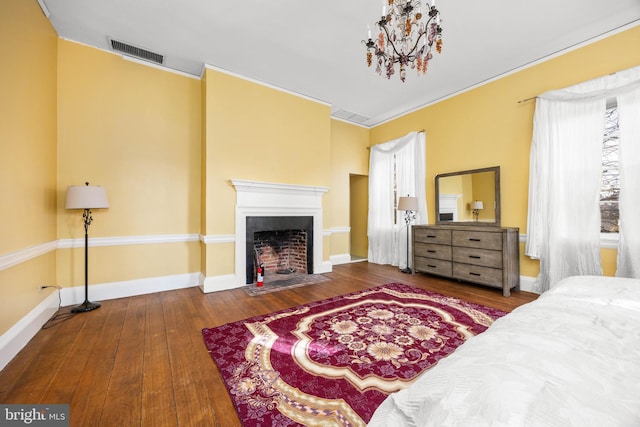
(255, 198)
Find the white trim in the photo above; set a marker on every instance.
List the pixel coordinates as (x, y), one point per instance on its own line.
(219, 238)
(261, 83)
(12, 341)
(157, 66)
(24, 255)
(129, 288)
(128, 240)
(17, 336)
(44, 8)
(339, 230)
(607, 240)
(340, 259)
(351, 123)
(220, 283)
(527, 284)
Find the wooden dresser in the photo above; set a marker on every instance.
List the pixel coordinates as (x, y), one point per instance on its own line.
(478, 254)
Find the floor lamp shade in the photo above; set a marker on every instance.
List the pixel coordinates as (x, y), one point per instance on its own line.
(408, 204)
(86, 197)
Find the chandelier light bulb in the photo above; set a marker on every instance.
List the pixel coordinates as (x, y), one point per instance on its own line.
(406, 37)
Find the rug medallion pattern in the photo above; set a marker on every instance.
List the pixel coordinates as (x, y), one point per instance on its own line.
(332, 362)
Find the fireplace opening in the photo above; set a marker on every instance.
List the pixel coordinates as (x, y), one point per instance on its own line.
(282, 252)
(283, 244)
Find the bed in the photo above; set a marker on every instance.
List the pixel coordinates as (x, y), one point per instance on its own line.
(570, 358)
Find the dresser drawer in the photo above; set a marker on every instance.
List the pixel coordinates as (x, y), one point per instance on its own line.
(432, 235)
(433, 266)
(475, 273)
(483, 257)
(431, 250)
(477, 239)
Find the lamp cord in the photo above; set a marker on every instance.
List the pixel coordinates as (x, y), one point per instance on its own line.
(57, 317)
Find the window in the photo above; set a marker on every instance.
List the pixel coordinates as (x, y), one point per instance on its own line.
(610, 186)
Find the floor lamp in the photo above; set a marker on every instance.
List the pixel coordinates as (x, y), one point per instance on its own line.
(86, 197)
(409, 205)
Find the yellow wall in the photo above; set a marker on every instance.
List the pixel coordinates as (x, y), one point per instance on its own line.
(487, 126)
(257, 133)
(135, 130)
(349, 156)
(358, 215)
(27, 154)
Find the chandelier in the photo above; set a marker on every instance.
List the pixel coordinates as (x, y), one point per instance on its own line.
(406, 37)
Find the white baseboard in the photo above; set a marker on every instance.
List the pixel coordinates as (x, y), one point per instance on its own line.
(12, 341)
(220, 283)
(527, 284)
(340, 259)
(325, 267)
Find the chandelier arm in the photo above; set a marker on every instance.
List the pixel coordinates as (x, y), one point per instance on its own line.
(426, 29)
(384, 27)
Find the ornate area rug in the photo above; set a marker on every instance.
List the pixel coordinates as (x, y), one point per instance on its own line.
(332, 362)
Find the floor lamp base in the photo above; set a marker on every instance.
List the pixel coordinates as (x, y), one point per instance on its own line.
(406, 270)
(85, 306)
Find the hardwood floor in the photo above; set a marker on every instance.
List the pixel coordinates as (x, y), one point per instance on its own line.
(142, 360)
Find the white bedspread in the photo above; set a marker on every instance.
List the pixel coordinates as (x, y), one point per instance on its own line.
(571, 358)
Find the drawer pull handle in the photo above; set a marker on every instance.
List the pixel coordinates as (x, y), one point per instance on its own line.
(475, 274)
(431, 251)
(474, 240)
(432, 266)
(474, 256)
(431, 236)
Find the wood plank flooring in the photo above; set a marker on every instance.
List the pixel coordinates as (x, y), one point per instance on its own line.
(141, 361)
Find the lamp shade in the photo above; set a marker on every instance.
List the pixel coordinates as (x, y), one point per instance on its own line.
(408, 204)
(477, 204)
(86, 197)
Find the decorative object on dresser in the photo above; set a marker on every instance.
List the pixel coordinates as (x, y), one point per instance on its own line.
(478, 254)
(409, 205)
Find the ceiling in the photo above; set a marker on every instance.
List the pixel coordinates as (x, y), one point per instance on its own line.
(314, 48)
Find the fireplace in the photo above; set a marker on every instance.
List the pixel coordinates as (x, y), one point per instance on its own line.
(264, 199)
(283, 244)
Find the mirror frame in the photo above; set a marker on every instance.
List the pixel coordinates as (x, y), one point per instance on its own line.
(495, 169)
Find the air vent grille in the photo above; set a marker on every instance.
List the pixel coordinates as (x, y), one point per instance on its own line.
(137, 52)
(349, 116)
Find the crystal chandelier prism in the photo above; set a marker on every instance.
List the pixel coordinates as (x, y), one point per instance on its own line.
(407, 36)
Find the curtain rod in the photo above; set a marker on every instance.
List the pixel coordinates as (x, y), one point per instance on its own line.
(527, 99)
(420, 131)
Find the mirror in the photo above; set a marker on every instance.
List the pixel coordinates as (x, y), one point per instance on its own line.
(469, 197)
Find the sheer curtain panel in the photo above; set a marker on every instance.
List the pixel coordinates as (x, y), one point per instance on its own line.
(563, 220)
(629, 202)
(396, 168)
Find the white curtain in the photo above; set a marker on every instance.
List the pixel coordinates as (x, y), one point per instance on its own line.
(563, 223)
(386, 229)
(629, 202)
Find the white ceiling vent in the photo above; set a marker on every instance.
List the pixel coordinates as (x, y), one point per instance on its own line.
(136, 52)
(351, 117)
